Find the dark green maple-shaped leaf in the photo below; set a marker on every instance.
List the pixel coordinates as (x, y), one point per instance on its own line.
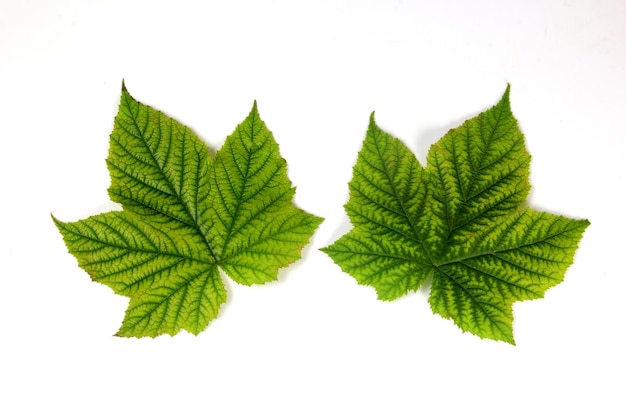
(460, 222)
(186, 214)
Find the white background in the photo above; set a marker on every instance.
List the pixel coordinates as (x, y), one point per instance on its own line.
(314, 343)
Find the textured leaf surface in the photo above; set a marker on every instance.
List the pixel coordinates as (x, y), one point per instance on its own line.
(185, 215)
(459, 222)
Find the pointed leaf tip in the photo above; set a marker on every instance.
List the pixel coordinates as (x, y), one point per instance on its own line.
(254, 111)
(372, 123)
(506, 96)
(125, 92)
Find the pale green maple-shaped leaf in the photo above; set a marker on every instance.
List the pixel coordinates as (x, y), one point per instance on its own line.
(459, 222)
(185, 216)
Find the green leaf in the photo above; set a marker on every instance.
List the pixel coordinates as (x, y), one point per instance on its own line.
(459, 222)
(185, 215)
